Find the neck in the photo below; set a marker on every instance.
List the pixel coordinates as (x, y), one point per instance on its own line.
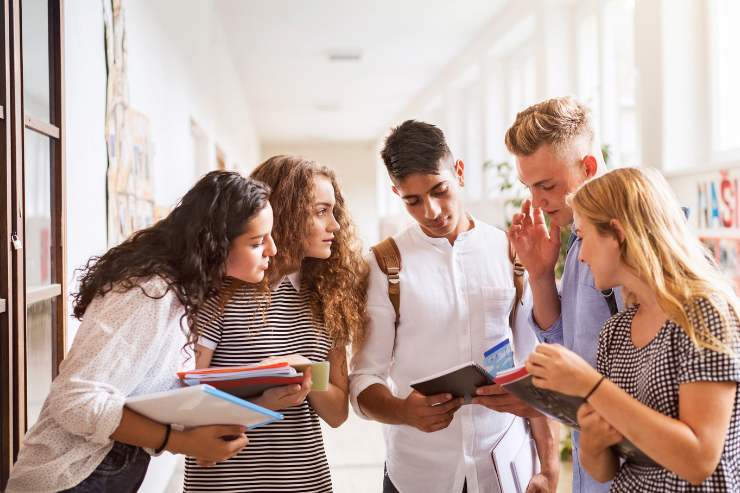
(642, 292)
(465, 224)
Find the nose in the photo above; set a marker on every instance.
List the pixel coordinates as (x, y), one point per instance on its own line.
(333, 225)
(431, 209)
(538, 199)
(270, 247)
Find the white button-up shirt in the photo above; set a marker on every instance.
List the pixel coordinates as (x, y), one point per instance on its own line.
(128, 344)
(455, 303)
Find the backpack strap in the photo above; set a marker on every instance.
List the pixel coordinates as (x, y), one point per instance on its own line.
(518, 284)
(389, 260)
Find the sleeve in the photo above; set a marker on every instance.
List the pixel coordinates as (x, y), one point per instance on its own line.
(115, 348)
(371, 362)
(698, 364)
(525, 338)
(210, 323)
(551, 335)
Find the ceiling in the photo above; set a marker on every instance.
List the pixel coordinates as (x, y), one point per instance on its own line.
(281, 50)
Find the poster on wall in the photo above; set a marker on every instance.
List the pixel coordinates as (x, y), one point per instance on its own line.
(129, 179)
(717, 219)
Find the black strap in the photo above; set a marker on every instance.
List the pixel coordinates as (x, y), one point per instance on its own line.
(611, 301)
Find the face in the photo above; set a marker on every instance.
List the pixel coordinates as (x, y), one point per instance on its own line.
(550, 178)
(250, 252)
(434, 201)
(600, 252)
(323, 224)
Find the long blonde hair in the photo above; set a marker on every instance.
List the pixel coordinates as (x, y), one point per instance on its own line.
(659, 249)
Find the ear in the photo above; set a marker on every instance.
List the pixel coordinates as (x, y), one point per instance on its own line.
(460, 172)
(617, 227)
(590, 165)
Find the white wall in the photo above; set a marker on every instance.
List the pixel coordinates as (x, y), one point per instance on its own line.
(355, 166)
(180, 68)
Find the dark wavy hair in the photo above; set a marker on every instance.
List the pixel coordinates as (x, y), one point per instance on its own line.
(337, 286)
(187, 249)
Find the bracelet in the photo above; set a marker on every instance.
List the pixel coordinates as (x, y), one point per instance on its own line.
(593, 389)
(167, 431)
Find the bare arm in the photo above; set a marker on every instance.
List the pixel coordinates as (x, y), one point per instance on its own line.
(203, 356)
(597, 436)
(546, 433)
(333, 405)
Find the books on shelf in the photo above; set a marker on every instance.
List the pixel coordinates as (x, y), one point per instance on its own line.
(253, 380)
(201, 405)
(561, 407)
(460, 381)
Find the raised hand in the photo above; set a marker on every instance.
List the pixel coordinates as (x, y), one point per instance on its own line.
(429, 413)
(538, 248)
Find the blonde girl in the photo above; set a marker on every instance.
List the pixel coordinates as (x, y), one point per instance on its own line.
(667, 366)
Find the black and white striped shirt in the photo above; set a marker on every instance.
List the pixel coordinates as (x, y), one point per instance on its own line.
(288, 455)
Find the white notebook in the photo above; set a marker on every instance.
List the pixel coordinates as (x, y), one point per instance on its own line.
(201, 405)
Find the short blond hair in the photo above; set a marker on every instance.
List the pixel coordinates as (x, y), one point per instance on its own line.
(556, 121)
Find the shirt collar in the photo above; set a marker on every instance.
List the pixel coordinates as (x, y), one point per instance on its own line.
(294, 278)
(442, 241)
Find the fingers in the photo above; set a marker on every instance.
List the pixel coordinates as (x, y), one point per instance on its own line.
(448, 407)
(538, 217)
(433, 400)
(205, 463)
(554, 233)
(494, 389)
(236, 445)
(307, 381)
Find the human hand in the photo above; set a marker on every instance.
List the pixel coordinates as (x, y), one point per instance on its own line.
(429, 413)
(540, 484)
(497, 399)
(286, 396)
(554, 367)
(596, 434)
(537, 247)
(209, 444)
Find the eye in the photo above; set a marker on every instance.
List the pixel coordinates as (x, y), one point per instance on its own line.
(257, 245)
(321, 212)
(411, 202)
(547, 188)
(440, 192)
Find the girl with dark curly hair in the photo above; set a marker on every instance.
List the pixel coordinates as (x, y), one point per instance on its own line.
(316, 308)
(132, 302)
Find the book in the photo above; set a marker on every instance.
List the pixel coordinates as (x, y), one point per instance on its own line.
(200, 405)
(460, 381)
(253, 380)
(561, 407)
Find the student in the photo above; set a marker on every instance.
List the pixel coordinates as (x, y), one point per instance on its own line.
(556, 150)
(138, 303)
(315, 308)
(668, 366)
(457, 291)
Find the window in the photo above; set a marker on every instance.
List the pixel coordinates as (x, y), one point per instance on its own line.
(32, 291)
(725, 17)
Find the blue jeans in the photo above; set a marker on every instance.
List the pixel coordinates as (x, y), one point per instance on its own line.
(122, 470)
(389, 487)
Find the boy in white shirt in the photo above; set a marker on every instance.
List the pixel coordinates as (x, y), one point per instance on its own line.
(456, 293)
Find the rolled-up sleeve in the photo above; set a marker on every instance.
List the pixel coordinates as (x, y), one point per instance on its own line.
(372, 360)
(551, 335)
(114, 350)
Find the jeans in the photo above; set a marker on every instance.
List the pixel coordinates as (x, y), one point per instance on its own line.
(389, 487)
(122, 470)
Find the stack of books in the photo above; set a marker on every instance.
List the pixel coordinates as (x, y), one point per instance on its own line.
(253, 380)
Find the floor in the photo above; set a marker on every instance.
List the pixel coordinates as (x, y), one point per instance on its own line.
(355, 452)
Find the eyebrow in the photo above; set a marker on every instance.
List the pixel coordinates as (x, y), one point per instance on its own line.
(410, 196)
(325, 204)
(539, 183)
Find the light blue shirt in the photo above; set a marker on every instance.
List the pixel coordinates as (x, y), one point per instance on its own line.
(583, 311)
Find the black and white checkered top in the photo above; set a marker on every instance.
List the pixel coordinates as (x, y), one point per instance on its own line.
(652, 374)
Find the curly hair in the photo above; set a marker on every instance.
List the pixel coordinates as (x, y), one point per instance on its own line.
(188, 248)
(337, 286)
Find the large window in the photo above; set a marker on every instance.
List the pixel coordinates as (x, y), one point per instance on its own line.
(725, 41)
(32, 308)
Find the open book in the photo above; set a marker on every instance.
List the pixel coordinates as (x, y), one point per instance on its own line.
(253, 380)
(460, 381)
(200, 405)
(561, 407)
